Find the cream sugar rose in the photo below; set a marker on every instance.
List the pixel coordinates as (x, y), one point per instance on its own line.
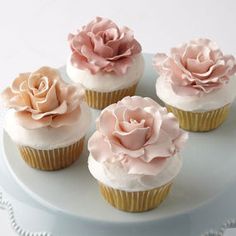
(197, 84)
(134, 153)
(47, 118)
(106, 60)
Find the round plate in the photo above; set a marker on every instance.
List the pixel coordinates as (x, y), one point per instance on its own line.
(209, 166)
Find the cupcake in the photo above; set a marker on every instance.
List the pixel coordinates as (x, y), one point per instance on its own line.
(134, 153)
(196, 83)
(47, 118)
(106, 60)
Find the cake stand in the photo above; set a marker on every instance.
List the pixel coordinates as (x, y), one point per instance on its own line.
(71, 196)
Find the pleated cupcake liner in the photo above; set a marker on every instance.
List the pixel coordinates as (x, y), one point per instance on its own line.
(200, 121)
(100, 100)
(139, 201)
(53, 159)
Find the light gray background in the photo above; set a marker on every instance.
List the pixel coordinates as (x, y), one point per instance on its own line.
(34, 33)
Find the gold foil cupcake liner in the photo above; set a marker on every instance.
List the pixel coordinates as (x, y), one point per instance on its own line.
(53, 159)
(135, 201)
(200, 121)
(100, 100)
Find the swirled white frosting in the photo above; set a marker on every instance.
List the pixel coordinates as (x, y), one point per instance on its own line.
(114, 175)
(208, 101)
(48, 138)
(107, 82)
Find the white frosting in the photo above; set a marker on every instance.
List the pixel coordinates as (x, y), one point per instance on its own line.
(115, 176)
(48, 138)
(214, 100)
(107, 82)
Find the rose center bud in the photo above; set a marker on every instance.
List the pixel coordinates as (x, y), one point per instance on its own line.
(106, 37)
(110, 35)
(39, 85)
(201, 57)
(133, 134)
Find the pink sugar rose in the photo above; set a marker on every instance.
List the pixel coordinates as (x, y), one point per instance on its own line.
(196, 67)
(103, 46)
(42, 99)
(138, 133)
